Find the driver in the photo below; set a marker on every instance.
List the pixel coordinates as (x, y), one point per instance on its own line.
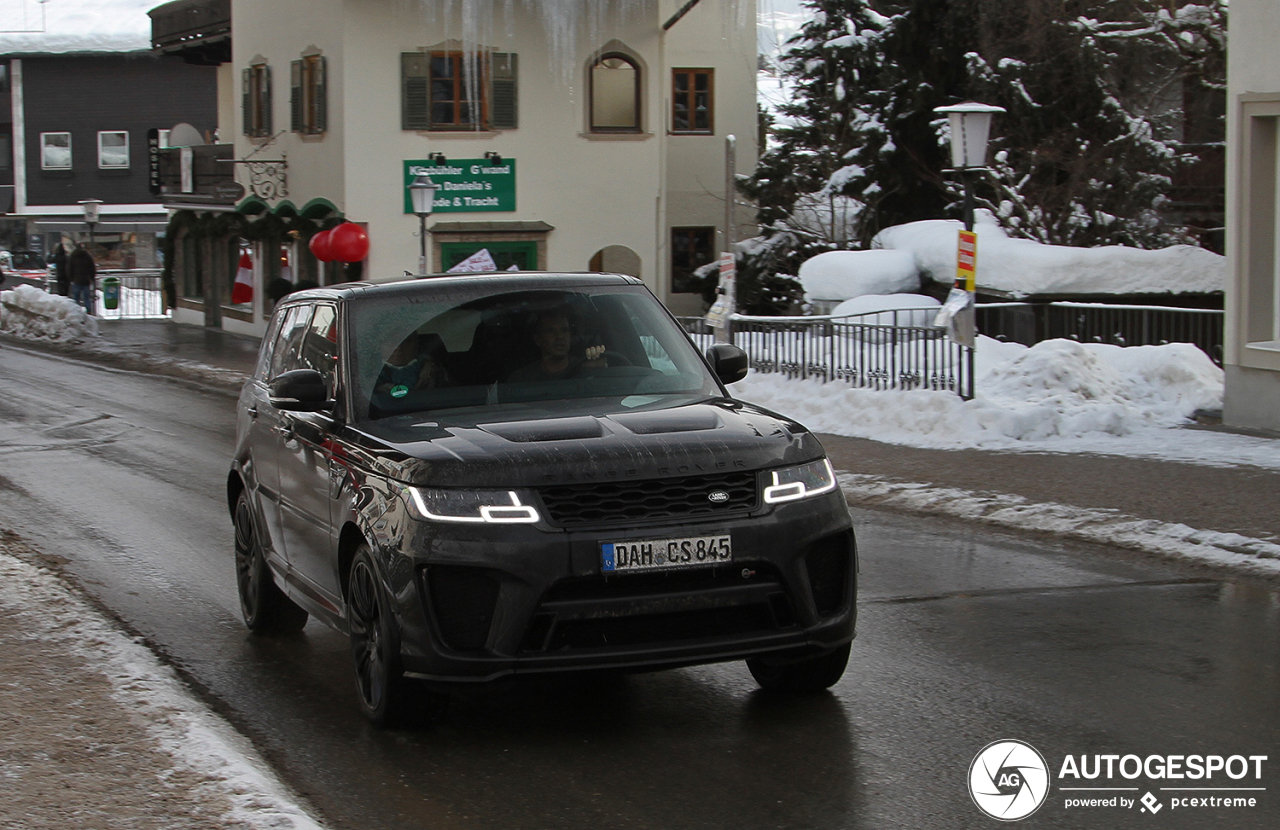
(552, 332)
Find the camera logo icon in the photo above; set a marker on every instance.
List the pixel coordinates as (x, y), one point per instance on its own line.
(1008, 780)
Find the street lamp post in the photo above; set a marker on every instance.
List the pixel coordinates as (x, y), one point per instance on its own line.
(970, 129)
(423, 195)
(90, 216)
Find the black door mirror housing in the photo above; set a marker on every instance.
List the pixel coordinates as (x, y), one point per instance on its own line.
(729, 363)
(300, 390)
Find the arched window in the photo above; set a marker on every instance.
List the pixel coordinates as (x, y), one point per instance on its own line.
(615, 94)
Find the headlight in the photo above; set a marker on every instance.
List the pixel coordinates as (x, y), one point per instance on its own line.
(496, 507)
(793, 483)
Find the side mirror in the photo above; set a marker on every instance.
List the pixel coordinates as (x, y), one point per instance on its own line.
(300, 390)
(728, 362)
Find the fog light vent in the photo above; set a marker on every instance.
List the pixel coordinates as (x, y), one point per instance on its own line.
(828, 563)
(462, 601)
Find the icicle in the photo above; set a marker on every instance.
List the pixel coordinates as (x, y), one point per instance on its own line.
(568, 24)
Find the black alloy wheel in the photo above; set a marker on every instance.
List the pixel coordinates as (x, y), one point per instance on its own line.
(375, 644)
(265, 608)
(812, 674)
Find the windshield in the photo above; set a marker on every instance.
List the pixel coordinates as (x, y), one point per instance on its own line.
(463, 347)
(28, 261)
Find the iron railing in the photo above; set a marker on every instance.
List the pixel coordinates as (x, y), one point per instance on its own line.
(1122, 325)
(879, 350)
(141, 295)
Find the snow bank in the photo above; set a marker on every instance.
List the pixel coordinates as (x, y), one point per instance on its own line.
(843, 275)
(61, 26)
(219, 761)
(879, 309)
(1021, 267)
(1058, 395)
(32, 314)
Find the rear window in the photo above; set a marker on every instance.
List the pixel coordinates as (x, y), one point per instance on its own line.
(459, 347)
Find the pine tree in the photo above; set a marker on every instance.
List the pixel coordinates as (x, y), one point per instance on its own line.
(1085, 155)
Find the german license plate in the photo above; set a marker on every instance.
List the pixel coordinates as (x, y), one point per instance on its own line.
(663, 554)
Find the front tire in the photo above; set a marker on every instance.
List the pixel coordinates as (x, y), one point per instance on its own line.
(265, 608)
(813, 674)
(375, 644)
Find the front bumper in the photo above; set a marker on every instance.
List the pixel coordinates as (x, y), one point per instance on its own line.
(477, 603)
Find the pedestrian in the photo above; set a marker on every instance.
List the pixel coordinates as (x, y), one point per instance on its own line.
(82, 272)
(61, 280)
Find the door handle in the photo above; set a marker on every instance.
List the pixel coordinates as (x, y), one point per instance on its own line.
(284, 431)
(252, 411)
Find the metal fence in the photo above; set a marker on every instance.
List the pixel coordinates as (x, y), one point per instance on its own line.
(1122, 325)
(140, 295)
(880, 350)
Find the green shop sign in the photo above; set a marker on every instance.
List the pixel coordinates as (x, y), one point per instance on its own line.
(466, 185)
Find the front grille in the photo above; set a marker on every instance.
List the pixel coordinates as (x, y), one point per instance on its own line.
(659, 608)
(649, 500)
(662, 628)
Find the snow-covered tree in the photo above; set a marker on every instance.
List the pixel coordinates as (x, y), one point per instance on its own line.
(1099, 94)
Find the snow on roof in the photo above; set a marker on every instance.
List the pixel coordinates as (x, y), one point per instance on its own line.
(1023, 267)
(67, 26)
(843, 275)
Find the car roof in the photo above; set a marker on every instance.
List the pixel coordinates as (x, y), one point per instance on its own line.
(508, 280)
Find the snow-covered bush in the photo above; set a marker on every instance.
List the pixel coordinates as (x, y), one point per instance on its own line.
(843, 275)
(1022, 267)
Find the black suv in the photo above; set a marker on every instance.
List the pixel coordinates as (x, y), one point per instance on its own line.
(483, 476)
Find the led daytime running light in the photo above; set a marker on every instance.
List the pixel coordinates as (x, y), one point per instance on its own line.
(494, 514)
(793, 490)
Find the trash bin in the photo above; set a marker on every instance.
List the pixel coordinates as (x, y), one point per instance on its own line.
(111, 293)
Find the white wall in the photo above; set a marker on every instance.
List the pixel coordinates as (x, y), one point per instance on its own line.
(1252, 347)
(595, 191)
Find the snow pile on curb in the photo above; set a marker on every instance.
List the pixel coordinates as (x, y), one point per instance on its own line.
(1057, 396)
(1022, 267)
(1108, 527)
(196, 739)
(920, 309)
(32, 314)
(843, 275)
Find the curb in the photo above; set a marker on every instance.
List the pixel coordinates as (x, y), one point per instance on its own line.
(1211, 548)
(210, 378)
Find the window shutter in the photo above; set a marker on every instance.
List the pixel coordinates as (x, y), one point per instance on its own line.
(295, 96)
(504, 103)
(246, 100)
(415, 111)
(266, 101)
(322, 96)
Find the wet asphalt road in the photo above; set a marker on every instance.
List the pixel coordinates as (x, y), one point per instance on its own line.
(965, 637)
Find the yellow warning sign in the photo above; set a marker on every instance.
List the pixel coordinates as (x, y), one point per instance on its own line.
(966, 260)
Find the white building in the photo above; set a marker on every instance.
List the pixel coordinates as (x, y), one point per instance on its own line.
(559, 145)
(1252, 347)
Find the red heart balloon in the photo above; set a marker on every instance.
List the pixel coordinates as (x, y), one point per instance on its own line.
(321, 246)
(348, 242)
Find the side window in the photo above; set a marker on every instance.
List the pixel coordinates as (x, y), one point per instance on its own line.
(308, 107)
(55, 151)
(615, 95)
(263, 370)
(286, 354)
(691, 101)
(256, 100)
(691, 248)
(320, 345)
